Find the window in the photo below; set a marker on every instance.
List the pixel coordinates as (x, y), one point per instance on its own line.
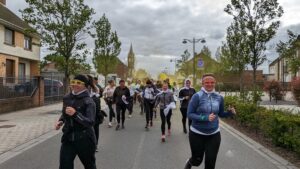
(27, 43)
(9, 37)
(22, 72)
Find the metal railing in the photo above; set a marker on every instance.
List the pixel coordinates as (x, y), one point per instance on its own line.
(12, 87)
(53, 88)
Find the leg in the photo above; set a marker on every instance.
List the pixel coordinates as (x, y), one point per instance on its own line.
(118, 109)
(163, 121)
(211, 150)
(96, 128)
(111, 111)
(183, 112)
(123, 114)
(147, 110)
(67, 156)
(151, 105)
(169, 119)
(86, 152)
(197, 144)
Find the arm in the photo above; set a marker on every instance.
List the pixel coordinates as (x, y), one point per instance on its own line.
(89, 119)
(157, 100)
(192, 108)
(221, 110)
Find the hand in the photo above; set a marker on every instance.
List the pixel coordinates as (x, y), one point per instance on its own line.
(187, 97)
(232, 110)
(58, 124)
(211, 117)
(70, 111)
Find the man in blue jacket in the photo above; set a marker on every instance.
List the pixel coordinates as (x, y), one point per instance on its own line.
(204, 109)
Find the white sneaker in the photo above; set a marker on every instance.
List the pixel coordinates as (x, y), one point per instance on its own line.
(129, 116)
(109, 125)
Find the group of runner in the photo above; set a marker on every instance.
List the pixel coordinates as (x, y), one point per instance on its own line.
(82, 115)
(152, 97)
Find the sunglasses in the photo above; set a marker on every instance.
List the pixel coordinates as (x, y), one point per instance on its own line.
(76, 82)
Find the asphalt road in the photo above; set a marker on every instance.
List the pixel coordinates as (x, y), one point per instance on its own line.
(135, 148)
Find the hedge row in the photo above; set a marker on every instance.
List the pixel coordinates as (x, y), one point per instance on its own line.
(281, 126)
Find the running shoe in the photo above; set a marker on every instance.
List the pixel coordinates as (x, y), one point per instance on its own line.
(163, 138)
(129, 116)
(117, 127)
(188, 164)
(109, 125)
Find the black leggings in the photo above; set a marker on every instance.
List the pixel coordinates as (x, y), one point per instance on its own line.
(130, 105)
(208, 145)
(149, 105)
(84, 148)
(184, 117)
(121, 108)
(164, 119)
(111, 111)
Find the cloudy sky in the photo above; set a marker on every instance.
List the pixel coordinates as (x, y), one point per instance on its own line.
(156, 28)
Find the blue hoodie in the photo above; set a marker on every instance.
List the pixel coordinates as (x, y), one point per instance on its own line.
(201, 105)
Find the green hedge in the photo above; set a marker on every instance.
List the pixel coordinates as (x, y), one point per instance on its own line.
(281, 126)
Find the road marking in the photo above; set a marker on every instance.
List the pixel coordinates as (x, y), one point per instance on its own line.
(138, 154)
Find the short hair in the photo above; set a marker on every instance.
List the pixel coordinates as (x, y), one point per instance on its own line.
(121, 81)
(96, 78)
(208, 75)
(148, 81)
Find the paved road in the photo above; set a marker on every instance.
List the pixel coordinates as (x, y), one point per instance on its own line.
(135, 148)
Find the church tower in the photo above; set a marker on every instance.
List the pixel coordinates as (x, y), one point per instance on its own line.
(131, 62)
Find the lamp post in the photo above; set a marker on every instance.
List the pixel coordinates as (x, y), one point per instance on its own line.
(194, 41)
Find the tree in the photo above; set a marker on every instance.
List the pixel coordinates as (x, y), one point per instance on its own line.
(261, 21)
(205, 51)
(62, 26)
(218, 54)
(183, 65)
(76, 65)
(289, 50)
(107, 47)
(141, 74)
(235, 52)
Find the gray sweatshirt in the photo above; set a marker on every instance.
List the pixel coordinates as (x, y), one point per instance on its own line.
(163, 99)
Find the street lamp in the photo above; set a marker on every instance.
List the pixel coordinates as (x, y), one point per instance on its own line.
(194, 41)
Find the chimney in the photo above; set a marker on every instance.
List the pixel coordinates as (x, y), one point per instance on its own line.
(3, 2)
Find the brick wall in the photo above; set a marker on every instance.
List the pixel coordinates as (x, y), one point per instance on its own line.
(19, 39)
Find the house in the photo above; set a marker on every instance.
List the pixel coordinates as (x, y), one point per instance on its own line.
(20, 84)
(19, 51)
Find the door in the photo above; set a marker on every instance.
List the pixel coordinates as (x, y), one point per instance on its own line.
(10, 71)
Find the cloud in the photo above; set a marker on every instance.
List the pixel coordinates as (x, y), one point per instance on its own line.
(156, 28)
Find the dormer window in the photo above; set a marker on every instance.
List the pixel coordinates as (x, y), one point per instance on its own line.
(9, 38)
(27, 43)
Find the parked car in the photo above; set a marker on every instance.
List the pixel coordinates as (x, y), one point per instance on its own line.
(51, 87)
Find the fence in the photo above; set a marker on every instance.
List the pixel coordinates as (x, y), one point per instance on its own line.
(53, 87)
(12, 87)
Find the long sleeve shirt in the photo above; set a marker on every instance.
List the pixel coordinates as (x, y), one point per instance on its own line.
(201, 106)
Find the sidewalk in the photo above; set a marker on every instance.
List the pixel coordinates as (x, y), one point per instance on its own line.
(20, 127)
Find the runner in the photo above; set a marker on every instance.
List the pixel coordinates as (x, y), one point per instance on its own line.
(120, 97)
(204, 109)
(130, 99)
(185, 95)
(166, 103)
(108, 97)
(149, 95)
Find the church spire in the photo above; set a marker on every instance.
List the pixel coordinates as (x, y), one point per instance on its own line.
(131, 62)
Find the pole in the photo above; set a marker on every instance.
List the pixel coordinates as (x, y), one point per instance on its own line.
(194, 69)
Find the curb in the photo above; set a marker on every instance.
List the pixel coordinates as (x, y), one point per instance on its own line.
(23, 147)
(275, 159)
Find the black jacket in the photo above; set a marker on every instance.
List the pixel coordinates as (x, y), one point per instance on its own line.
(82, 121)
(118, 93)
(183, 92)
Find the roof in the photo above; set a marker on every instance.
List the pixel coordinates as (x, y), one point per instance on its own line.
(11, 20)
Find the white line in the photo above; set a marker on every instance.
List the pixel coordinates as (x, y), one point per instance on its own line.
(139, 152)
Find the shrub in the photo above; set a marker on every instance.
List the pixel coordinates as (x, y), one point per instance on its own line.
(296, 89)
(281, 126)
(274, 89)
